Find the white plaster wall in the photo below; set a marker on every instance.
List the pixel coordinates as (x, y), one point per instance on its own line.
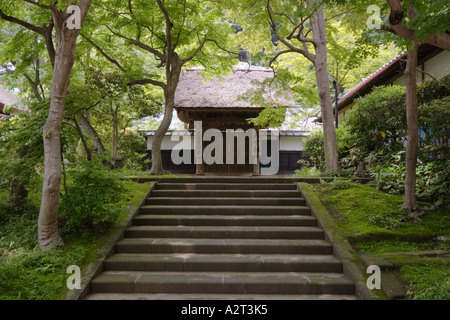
(187, 142)
(438, 67)
(291, 143)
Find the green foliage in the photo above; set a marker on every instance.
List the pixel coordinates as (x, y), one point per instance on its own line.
(91, 200)
(40, 275)
(429, 281)
(378, 120)
(432, 180)
(364, 211)
(375, 130)
(338, 184)
(18, 227)
(435, 127)
(22, 134)
(390, 177)
(432, 18)
(133, 147)
(271, 94)
(307, 170)
(314, 149)
(28, 273)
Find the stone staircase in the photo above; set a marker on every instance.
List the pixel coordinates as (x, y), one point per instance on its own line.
(223, 238)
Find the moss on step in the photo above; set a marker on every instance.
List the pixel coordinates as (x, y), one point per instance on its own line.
(353, 264)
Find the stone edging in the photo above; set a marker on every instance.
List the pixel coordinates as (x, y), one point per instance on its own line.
(96, 267)
(354, 266)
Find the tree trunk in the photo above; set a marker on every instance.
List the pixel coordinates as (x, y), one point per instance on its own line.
(83, 140)
(92, 133)
(115, 132)
(157, 167)
(323, 84)
(48, 215)
(413, 130)
(65, 41)
(18, 192)
(173, 71)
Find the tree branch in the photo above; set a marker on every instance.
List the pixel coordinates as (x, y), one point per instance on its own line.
(435, 79)
(22, 23)
(441, 41)
(397, 14)
(45, 31)
(103, 53)
(196, 52)
(147, 81)
(40, 5)
(139, 44)
(279, 53)
(311, 57)
(395, 19)
(169, 45)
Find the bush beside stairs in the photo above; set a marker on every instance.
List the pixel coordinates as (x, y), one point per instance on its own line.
(223, 238)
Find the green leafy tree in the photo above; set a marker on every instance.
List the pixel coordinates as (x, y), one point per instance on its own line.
(175, 35)
(419, 22)
(413, 22)
(49, 20)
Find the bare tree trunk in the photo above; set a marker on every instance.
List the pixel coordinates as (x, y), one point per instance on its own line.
(323, 84)
(413, 130)
(157, 166)
(83, 139)
(92, 133)
(115, 133)
(18, 192)
(173, 76)
(65, 41)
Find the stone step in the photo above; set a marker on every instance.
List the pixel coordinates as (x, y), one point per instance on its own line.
(216, 296)
(223, 262)
(225, 186)
(231, 232)
(242, 201)
(229, 193)
(222, 283)
(230, 179)
(224, 210)
(223, 238)
(220, 246)
(224, 220)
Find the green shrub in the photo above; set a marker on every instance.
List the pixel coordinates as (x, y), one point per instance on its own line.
(434, 119)
(307, 170)
(390, 178)
(91, 198)
(378, 120)
(339, 184)
(133, 147)
(314, 149)
(432, 181)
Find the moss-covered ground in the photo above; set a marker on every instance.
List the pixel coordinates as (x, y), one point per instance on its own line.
(374, 223)
(27, 272)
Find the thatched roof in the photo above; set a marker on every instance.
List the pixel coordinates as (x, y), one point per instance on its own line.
(193, 92)
(7, 98)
